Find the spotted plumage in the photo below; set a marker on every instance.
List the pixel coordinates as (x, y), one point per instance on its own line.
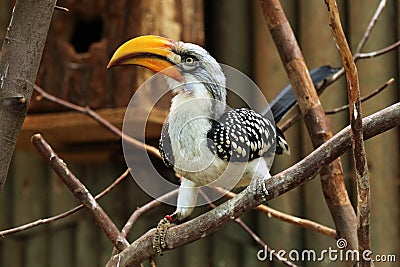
(241, 135)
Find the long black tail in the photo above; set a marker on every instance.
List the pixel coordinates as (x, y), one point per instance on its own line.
(286, 99)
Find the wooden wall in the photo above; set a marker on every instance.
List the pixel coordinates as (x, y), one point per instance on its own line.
(236, 34)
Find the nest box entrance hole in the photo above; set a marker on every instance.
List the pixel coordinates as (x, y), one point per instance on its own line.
(86, 32)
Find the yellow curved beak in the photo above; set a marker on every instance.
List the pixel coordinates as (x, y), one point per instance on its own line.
(148, 51)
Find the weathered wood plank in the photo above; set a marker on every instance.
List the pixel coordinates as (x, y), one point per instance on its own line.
(66, 130)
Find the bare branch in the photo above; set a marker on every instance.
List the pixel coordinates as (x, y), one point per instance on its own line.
(371, 25)
(290, 178)
(319, 228)
(377, 52)
(360, 158)
(80, 192)
(64, 214)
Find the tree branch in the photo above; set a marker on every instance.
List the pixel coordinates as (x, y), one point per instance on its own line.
(80, 192)
(290, 178)
(371, 25)
(19, 63)
(360, 158)
(332, 179)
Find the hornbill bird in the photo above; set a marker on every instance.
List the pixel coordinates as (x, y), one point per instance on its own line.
(202, 140)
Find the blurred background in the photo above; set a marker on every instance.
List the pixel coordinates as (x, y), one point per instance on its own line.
(79, 45)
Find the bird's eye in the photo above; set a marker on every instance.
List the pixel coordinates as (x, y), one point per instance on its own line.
(189, 63)
(189, 60)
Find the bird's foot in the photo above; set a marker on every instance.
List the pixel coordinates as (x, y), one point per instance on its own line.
(159, 243)
(258, 186)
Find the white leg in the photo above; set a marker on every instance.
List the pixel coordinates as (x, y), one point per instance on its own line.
(187, 198)
(261, 174)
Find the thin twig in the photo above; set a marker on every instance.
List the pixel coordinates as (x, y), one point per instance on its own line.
(64, 214)
(80, 192)
(319, 228)
(371, 25)
(353, 91)
(377, 52)
(94, 115)
(61, 8)
(362, 99)
(252, 234)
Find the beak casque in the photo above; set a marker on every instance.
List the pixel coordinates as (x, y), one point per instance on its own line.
(149, 51)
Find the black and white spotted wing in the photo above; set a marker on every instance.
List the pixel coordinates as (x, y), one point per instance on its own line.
(241, 135)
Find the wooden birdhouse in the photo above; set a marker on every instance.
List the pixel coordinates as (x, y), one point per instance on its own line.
(79, 45)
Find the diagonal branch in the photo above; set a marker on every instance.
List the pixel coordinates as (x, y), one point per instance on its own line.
(80, 192)
(298, 174)
(371, 25)
(377, 52)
